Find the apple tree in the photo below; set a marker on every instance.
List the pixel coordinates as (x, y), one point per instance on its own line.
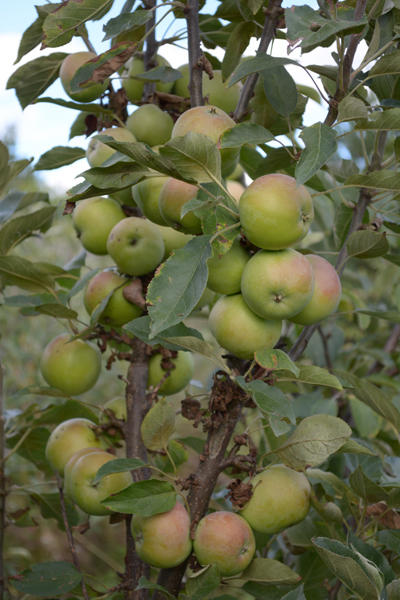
(236, 230)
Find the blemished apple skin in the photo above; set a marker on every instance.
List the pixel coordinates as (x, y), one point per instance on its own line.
(275, 212)
(68, 438)
(326, 294)
(163, 540)
(118, 310)
(69, 67)
(97, 152)
(87, 496)
(93, 219)
(277, 285)
(226, 540)
(178, 378)
(146, 195)
(225, 272)
(68, 467)
(173, 195)
(136, 246)
(239, 330)
(134, 87)
(281, 498)
(150, 125)
(70, 366)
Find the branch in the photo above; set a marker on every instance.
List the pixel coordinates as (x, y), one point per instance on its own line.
(151, 49)
(2, 487)
(191, 11)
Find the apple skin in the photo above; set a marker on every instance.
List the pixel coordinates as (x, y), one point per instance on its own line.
(326, 294)
(69, 67)
(68, 438)
(68, 467)
(93, 219)
(174, 194)
(118, 310)
(124, 196)
(173, 239)
(225, 272)
(118, 406)
(277, 285)
(236, 189)
(136, 246)
(146, 195)
(281, 498)
(87, 496)
(163, 540)
(97, 152)
(240, 331)
(275, 212)
(150, 125)
(179, 377)
(134, 87)
(226, 540)
(70, 366)
(215, 90)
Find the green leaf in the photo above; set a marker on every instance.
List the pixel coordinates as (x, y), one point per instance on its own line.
(238, 41)
(126, 22)
(270, 571)
(16, 200)
(194, 155)
(141, 328)
(320, 145)
(34, 77)
(366, 488)
(245, 133)
(88, 109)
(366, 421)
(202, 585)
(392, 316)
(16, 230)
(158, 425)
(353, 447)
(59, 156)
(257, 65)
(143, 498)
(389, 64)
(276, 360)
(386, 120)
(15, 270)
(270, 400)
(32, 36)
(194, 344)
(120, 175)
(367, 244)
(50, 508)
(145, 584)
(162, 73)
(178, 284)
(119, 465)
(314, 376)
(280, 90)
(313, 441)
(70, 409)
(33, 446)
(97, 69)
(350, 109)
(48, 579)
(58, 311)
(376, 180)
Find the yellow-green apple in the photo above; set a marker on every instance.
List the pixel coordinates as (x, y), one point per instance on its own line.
(180, 372)
(69, 67)
(150, 124)
(116, 405)
(88, 496)
(124, 196)
(174, 194)
(237, 173)
(71, 462)
(277, 285)
(69, 437)
(236, 189)
(208, 298)
(163, 540)
(72, 366)
(97, 152)
(225, 272)
(326, 294)
(146, 195)
(275, 212)
(281, 497)
(226, 540)
(239, 330)
(93, 219)
(173, 239)
(134, 86)
(118, 310)
(215, 90)
(136, 246)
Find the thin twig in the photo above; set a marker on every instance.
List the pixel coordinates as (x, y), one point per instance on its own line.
(151, 49)
(325, 347)
(195, 67)
(2, 486)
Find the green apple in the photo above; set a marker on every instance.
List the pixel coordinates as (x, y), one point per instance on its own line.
(326, 294)
(163, 540)
(69, 67)
(146, 195)
(215, 90)
(93, 219)
(281, 497)
(275, 212)
(224, 539)
(118, 310)
(277, 285)
(69, 437)
(150, 124)
(136, 246)
(225, 272)
(173, 239)
(180, 374)
(134, 86)
(124, 196)
(71, 462)
(88, 496)
(173, 196)
(97, 152)
(72, 366)
(240, 331)
(116, 405)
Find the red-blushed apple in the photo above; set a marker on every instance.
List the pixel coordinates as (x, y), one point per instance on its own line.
(179, 376)
(72, 366)
(118, 310)
(281, 497)
(225, 272)
(69, 437)
(326, 294)
(93, 219)
(69, 67)
(88, 496)
(133, 86)
(173, 239)
(150, 125)
(236, 189)
(163, 540)
(275, 212)
(224, 539)
(277, 285)
(68, 467)
(173, 195)
(146, 195)
(239, 330)
(215, 90)
(136, 246)
(97, 152)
